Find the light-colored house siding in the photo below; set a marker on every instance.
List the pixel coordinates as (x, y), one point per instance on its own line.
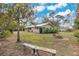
(35, 28)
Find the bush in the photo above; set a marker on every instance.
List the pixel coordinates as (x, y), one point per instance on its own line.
(5, 34)
(50, 30)
(77, 23)
(76, 34)
(45, 30)
(55, 30)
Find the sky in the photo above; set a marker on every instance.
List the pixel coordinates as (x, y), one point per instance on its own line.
(43, 9)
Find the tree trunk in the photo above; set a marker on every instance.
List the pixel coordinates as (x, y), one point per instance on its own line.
(18, 31)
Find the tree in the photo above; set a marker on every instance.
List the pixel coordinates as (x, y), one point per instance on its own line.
(54, 22)
(13, 14)
(77, 19)
(6, 20)
(77, 24)
(21, 11)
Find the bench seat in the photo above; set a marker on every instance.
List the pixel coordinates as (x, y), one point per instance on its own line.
(37, 48)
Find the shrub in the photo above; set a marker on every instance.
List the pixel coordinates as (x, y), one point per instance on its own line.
(76, 34)
(46, 30)
(5, 34)
(55, 30)
(50, 30)
(43, 30)
(77, 23)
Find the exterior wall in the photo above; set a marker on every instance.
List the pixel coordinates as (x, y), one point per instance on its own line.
(37, 28)
(34, 29)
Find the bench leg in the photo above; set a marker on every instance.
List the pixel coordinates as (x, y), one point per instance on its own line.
(33, 51)
(24, 50)
(53, 54)
(37, 53)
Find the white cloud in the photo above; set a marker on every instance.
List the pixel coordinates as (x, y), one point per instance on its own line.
(54, 7)
(68, 11)
(42, 4)
(39, 8)
(62, 4)
(51, 8)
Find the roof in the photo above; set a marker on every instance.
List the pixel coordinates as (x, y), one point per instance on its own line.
(39, 25)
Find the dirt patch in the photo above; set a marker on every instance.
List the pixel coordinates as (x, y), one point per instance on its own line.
(9, 47)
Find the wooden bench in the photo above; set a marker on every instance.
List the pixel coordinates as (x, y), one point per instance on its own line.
(35, 49)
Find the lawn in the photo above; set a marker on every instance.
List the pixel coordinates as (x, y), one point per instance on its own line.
(38, 39)
(63, 46)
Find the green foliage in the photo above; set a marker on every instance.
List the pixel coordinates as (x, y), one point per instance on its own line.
(12, 26)
(5, 34)
(76, 34)
(50, 30)
(55, 30)
(77, 23)
(10, 19)
(45, 30)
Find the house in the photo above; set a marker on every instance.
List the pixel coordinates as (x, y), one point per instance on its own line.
(36, 28)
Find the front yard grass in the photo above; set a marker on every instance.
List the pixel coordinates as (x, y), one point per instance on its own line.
(35, 38)
(63, 47)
